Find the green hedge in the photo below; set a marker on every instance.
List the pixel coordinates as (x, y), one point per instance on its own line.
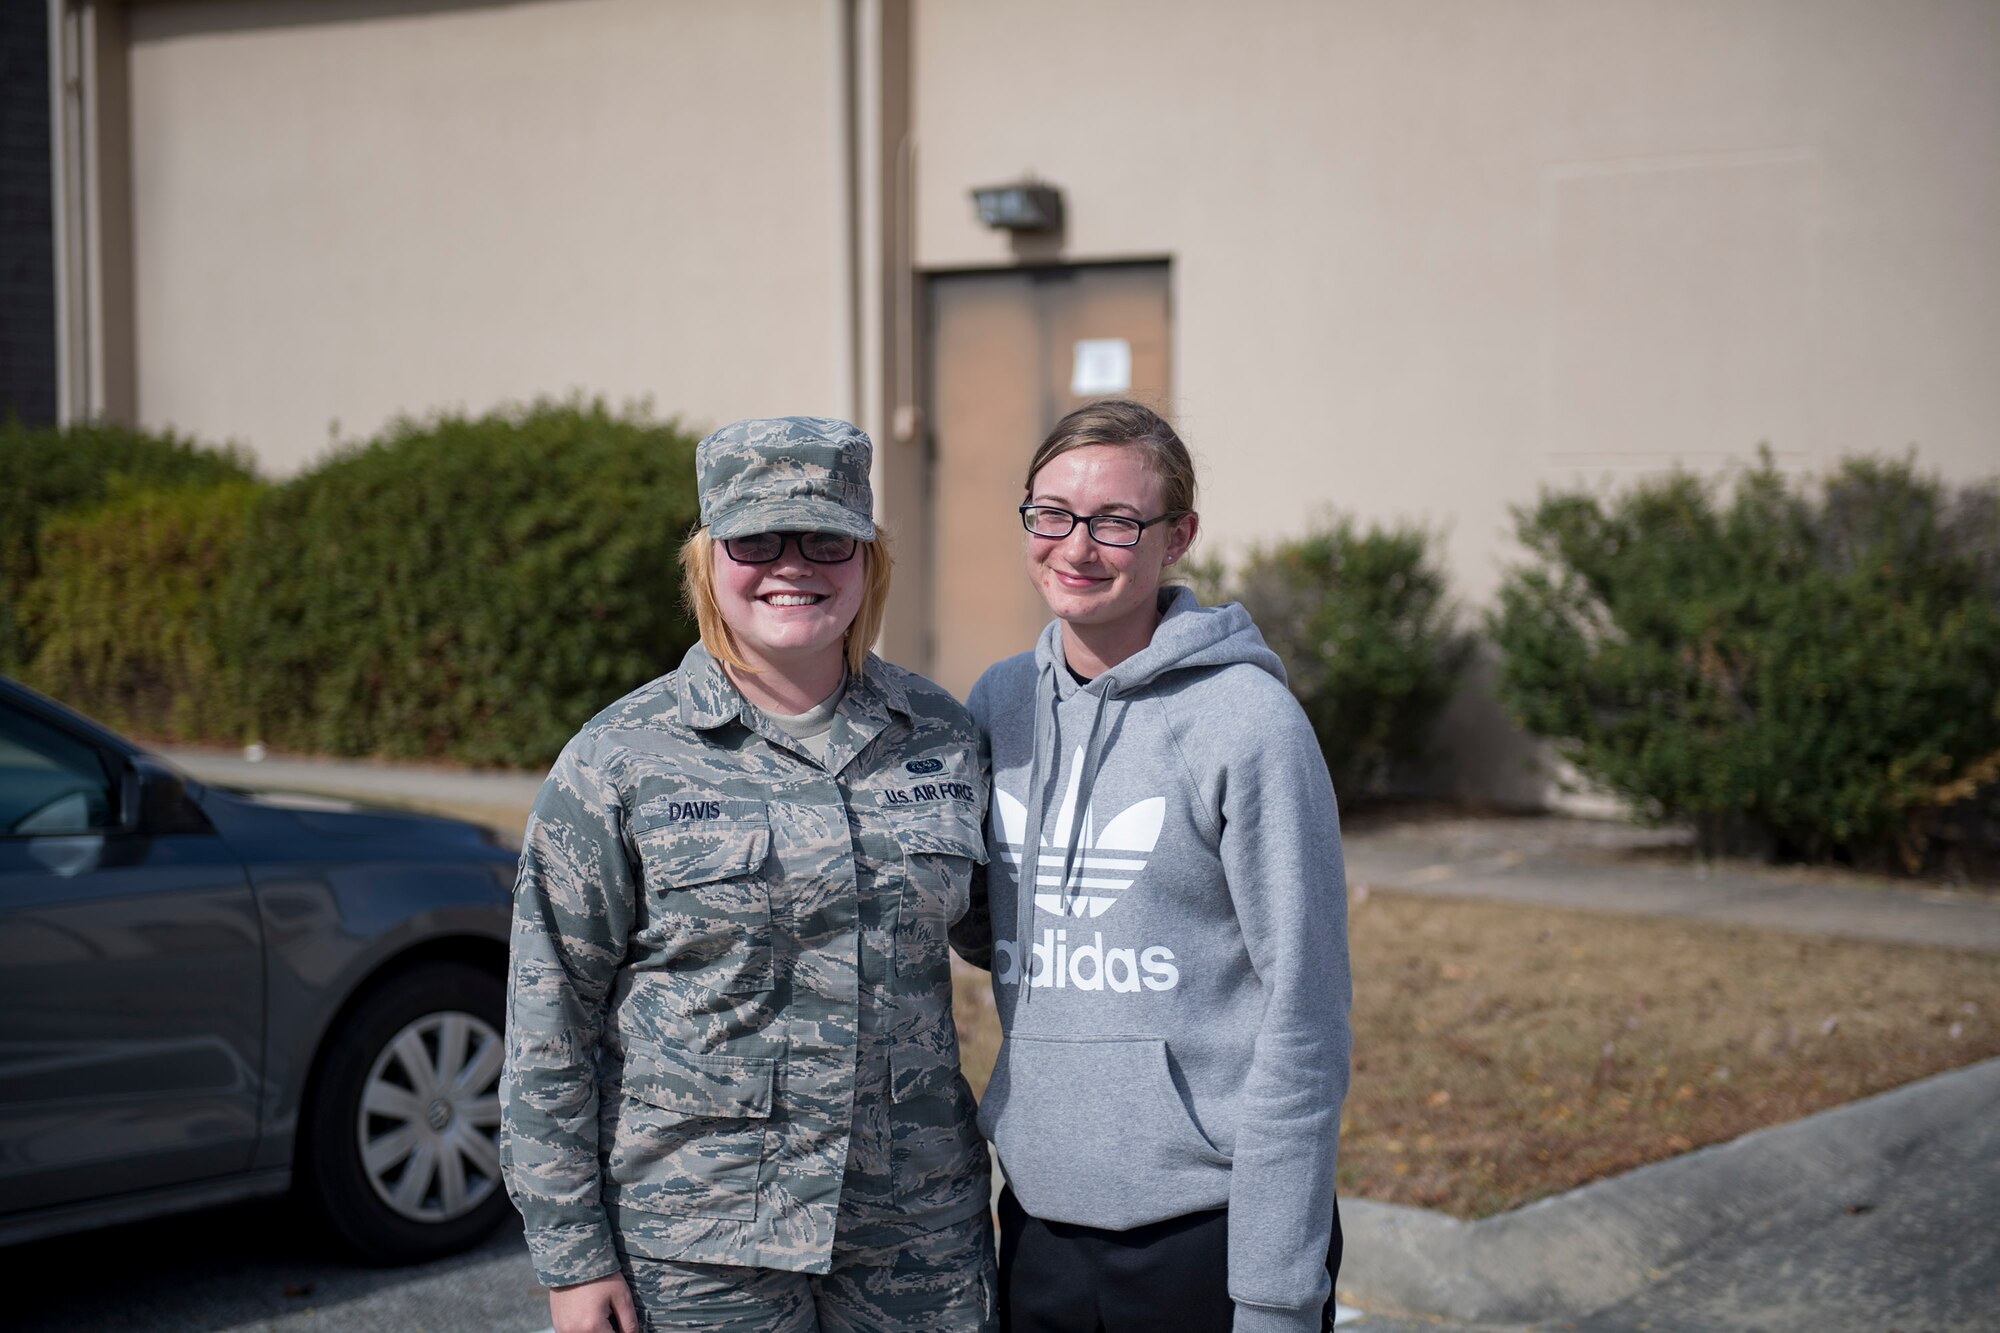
(1366, 629)
(44, 472)
(1802, 670)
(125, 610)
(471, 588)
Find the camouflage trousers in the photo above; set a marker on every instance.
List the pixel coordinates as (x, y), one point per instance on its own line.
(935, 1281)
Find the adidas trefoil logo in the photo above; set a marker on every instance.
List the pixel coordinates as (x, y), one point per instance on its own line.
(1106, 862)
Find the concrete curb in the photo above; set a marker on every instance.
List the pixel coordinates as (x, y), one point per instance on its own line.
(1563, 1257)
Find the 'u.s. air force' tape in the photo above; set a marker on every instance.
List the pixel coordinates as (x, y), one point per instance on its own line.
(928, 791)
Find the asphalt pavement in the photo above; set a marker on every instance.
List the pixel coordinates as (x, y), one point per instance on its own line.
(261, 1266)
(1876, 1217)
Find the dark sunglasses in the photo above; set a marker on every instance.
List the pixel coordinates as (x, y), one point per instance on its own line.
(761, 548)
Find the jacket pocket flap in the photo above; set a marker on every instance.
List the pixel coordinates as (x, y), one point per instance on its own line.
(695, 853)
(946, 828)
(736, 1086)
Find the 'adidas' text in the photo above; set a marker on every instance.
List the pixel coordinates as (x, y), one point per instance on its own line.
(1053, 963)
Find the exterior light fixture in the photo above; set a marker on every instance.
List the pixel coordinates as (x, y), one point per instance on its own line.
(1026, 206)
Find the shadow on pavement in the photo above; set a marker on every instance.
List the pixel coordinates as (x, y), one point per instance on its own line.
(263, 1266)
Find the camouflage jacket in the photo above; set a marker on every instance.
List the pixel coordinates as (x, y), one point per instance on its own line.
(729, 1020)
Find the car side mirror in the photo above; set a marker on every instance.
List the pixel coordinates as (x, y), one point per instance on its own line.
(156, 800)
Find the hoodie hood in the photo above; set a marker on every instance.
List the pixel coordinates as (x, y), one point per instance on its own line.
(1189, 637)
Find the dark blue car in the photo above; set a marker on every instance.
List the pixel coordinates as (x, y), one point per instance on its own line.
(207, 995)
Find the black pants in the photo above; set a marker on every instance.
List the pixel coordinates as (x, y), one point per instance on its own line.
(1167, 1277)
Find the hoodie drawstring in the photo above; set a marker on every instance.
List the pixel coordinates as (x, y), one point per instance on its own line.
(1084, 780)
(1027, 876)
(1048, 744)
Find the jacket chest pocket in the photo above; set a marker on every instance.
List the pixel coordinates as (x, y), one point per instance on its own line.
(708, 899)
(941, 844)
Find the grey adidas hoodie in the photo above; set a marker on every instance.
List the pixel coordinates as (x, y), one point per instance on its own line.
(1174, 991)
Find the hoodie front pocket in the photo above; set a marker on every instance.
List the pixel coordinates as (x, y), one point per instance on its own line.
(708, 903)
(689, 1135)
(1092, 1130)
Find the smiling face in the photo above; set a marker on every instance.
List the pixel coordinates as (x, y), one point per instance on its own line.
(790, 616)
(1106, 596)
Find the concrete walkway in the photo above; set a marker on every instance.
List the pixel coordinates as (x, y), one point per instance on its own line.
(1880, 1215)
(1609, 867)
(359, 779)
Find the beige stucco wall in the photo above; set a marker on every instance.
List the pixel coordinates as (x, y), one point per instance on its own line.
(347, 210)
(1429, 258)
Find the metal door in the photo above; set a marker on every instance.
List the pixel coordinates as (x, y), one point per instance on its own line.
(1005, 364)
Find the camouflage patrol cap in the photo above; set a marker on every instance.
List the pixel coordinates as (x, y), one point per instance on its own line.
(786, 474)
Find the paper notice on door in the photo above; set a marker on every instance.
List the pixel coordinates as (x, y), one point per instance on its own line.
(1103, 365)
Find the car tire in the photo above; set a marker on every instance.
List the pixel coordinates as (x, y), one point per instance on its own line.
(399, 1150)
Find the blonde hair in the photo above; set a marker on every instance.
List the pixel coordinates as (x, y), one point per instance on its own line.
(698, 592)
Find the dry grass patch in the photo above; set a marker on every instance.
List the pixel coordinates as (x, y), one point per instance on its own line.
(1503, 1053)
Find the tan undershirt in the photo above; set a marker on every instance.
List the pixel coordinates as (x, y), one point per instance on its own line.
(810, 728)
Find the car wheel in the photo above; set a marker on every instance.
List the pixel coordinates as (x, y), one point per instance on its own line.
(401, 1145)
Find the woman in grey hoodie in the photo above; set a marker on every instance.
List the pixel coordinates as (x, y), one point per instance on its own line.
(1168, 927)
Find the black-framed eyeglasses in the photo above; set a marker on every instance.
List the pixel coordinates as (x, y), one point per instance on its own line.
(761, 548)
(1104, 529)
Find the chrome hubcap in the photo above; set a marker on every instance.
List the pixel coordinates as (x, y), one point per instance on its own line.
(429, 1125)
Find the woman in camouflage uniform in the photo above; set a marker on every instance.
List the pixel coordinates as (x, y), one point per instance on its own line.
(732, 1098)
